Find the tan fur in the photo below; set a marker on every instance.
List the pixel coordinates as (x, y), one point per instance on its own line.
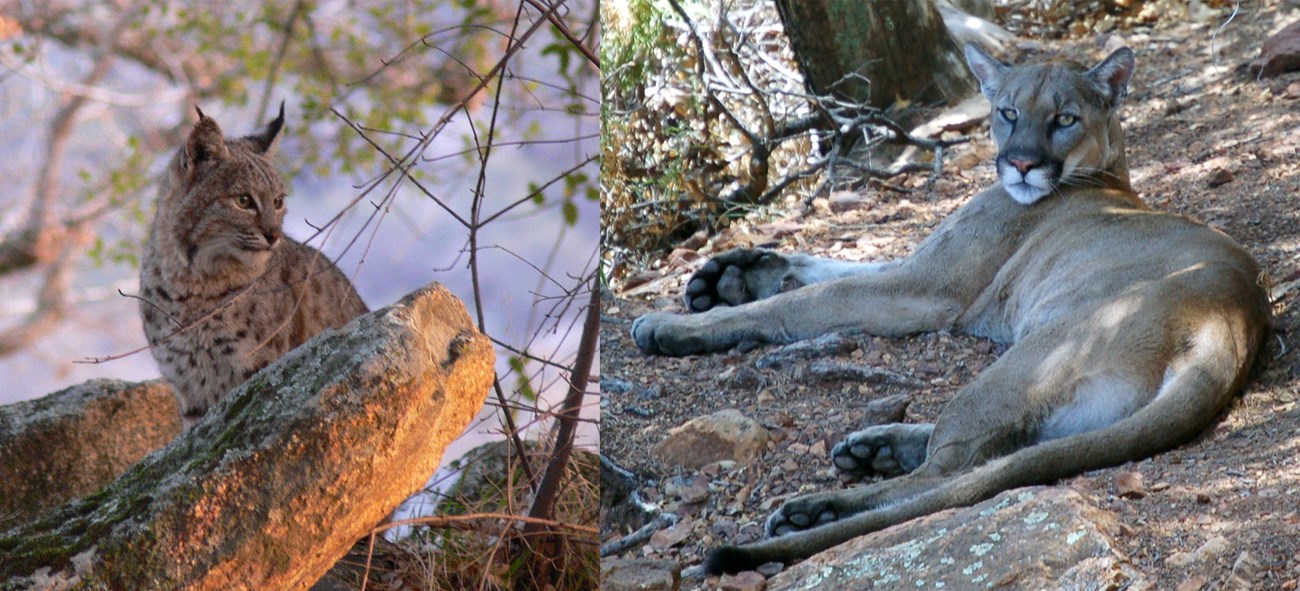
(1131, 328)
(223, 292)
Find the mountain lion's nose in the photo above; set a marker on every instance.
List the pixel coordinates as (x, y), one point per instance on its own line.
(1022, 164)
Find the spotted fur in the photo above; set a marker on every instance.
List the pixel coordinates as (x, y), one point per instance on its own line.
(223, 292)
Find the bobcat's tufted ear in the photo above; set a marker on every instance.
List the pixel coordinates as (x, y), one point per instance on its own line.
(205, 143)
(1113, 73)
(988, 69)
(265, 140)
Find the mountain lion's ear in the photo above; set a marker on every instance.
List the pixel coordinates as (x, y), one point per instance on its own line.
(988, 69)
(1113, 73)
(267, 139)
(205, 143)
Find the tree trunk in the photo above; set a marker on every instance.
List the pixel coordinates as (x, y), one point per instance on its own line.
(899, 50)
(284, 474)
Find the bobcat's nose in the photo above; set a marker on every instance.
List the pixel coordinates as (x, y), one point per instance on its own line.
(272, 236)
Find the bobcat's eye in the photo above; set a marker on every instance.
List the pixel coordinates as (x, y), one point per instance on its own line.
(1064, 120)
(245, 201)
(279, 202)
(1009, 114)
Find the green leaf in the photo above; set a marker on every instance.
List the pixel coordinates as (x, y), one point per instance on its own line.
(570, 213)
(522, 384)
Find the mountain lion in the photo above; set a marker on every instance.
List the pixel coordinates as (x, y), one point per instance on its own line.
(1130, 329)
(223, 293)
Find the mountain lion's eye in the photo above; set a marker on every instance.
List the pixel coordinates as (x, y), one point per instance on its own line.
(244, 201)
(1009, 114)
(1066, 120)
(279, 202)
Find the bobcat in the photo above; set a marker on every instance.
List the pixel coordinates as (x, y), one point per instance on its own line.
(223, 292)
(1130, 329)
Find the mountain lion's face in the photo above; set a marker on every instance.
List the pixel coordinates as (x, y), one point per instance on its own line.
(1055, 123)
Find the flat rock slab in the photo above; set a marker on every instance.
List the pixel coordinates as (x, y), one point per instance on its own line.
(70, 443)
(1031, 538)
(284, 474)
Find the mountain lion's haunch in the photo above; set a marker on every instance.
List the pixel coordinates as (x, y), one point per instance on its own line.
(1130, 329)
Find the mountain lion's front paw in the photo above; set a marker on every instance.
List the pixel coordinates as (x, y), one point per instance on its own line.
(736, 277)
(882, 450)
(801, 513)
(661, 333)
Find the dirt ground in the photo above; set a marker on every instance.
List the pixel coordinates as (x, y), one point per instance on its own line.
(1204, 139)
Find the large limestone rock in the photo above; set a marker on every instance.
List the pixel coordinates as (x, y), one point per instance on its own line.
(72, 442)
(282, 476)
(1034, 538)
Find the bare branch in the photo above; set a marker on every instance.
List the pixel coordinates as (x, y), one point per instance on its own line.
(568, 415)
(271, 78)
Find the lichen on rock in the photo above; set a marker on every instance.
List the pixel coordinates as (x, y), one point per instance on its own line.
(285, 473)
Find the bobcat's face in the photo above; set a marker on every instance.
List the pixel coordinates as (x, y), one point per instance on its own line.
(1055, 123)
(240, 208)
(222, 203)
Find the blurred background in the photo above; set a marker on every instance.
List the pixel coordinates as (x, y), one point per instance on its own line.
(490, 107)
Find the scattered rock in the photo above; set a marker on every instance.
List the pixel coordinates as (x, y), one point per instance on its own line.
(695, 490)
(640, 575)
(842, 201)
(1210, 550)
(282, 476)
(1033, 538)
(743, 581)
(886, 410)
(823, 346)
(621, 506)
(613, 386)
(1245, 572)
(1220, 177)
(723, 435)
(668, 537)
(1129, 485)
(684, 257)
(1194, 583)
(1292, 91)
(1279, 53)
(966, 161)
(640, 279)
(771, 569)
(835, 370)
(639, 411)
(70, 443)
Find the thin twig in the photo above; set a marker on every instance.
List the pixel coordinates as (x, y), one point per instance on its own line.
(615, 546)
